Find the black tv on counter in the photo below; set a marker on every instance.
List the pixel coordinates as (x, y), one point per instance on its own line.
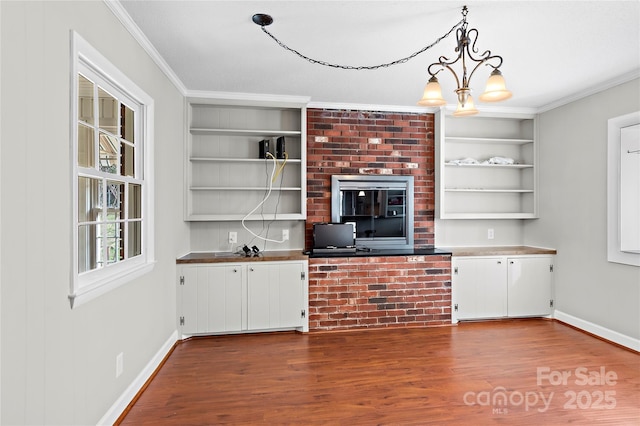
(333, 238)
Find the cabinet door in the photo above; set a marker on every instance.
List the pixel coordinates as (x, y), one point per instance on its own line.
(479, 288)
(211, 299)
(275, 296)
(529, 281)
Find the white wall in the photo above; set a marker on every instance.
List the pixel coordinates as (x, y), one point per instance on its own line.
(58, 364)
(214, 236)
(573, 213)
(474, 233)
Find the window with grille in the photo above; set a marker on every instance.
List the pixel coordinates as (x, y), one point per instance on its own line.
(112, 185)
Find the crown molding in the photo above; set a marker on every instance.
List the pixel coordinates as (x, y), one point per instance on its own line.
(491, 110)
(369, 107)
(624, 78)
(255, 99)
(118, 10)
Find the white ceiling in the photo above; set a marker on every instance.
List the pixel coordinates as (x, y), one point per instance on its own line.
(553, 51)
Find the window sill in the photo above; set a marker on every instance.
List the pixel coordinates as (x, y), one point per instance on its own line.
(86, 294)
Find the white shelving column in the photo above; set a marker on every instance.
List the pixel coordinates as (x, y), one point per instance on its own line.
(470, 185)
(225, 178)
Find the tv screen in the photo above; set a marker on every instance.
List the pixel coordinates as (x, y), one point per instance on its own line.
(339, 235)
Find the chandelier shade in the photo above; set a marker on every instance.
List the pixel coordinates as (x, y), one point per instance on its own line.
(496, 89)
(432, 94)
(466, 108)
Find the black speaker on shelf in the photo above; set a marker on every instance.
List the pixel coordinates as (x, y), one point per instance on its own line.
(280, 149)
(263, 148)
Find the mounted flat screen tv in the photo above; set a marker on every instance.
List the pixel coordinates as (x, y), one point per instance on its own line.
(380, 207)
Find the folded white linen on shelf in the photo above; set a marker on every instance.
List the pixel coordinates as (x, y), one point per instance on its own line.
(500, 160)
(464, 161)
(492, 160)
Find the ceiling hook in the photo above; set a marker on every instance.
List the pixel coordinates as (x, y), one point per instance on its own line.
(262, 19)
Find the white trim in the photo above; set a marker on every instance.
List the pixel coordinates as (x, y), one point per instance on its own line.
(605, 333)
(130, 392)
(118, 10)
(248, 99)
(1, 227)
(493, 110)
(624, 78)
(371, 107)
(614, 253)
(109, 283)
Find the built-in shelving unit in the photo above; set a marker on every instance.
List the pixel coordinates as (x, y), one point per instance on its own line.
(486, 167)
(225, 177)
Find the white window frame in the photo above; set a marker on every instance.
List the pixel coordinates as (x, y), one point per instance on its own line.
(614, 190)
(88, 285)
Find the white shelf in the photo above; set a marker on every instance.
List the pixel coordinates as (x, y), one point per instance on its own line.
(506, 141)
(244, 132)
(243, 160)
(506, 191)
(478, 215)
(496, 166)
(486, 191)
(242, 188)
(239, 217)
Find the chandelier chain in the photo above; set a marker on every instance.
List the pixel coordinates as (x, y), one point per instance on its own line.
(365, 67)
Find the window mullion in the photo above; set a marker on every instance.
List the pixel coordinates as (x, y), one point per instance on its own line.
(96, 130)
(125, 216)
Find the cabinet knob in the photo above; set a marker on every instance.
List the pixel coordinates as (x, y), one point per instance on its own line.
(511, 262)
(499, 262)
(251, 269)
(235, 270)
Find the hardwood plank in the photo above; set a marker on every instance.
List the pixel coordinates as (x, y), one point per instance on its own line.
(438, 375)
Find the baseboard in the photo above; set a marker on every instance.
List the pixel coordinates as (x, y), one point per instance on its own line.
(112, 415)
(597, 330)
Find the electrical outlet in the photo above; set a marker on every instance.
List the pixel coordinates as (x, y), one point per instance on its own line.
(119, 364)
(285, 234)
(233, 237)
(490, 233)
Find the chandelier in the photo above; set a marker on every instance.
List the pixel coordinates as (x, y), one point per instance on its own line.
(496, 89)
(466, 54)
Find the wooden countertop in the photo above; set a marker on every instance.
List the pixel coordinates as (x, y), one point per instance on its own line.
(499, 251)
(218, 257)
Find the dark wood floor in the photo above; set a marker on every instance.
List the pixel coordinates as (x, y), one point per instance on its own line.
(440, 375)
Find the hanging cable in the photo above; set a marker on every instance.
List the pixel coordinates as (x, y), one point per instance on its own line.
(280, 172)
(266, 197)
(264, 20)
(286, 157)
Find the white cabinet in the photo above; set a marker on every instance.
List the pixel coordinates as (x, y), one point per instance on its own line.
(529, 286)
(275, 296)
(224, 175)
(211, 299)
(486, 167)
(479, 288)
(242, 296)
(501, 286)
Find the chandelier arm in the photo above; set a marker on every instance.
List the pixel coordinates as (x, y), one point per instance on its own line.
(444, 64)
(362, 67)
(485, 61)
(472, 34)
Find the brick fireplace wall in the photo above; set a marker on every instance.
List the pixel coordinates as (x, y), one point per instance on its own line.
(344, 142)
(365, 292)
(374, 292)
